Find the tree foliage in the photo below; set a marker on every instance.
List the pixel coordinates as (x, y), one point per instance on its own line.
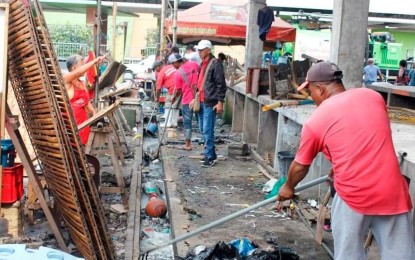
(152, 37)
(68, 33)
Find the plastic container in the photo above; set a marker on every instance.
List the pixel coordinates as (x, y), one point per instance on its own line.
(285, 159)
(20, 252)
(7, 153)
(149, 188)
(12, 184)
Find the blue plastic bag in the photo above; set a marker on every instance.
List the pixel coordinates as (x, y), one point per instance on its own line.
(243, 245)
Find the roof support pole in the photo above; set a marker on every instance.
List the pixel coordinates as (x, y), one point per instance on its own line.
(176, 6)
(114, 28)
(253, 46)
(97, 47)
(162, 28)
(349, 38)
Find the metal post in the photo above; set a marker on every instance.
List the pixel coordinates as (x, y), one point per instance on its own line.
(114, 27)
(162, 29)
(176, 6)
(98, 47)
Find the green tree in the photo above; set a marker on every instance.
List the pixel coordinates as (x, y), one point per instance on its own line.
(70, 39)
(152, 37)
(68, 33)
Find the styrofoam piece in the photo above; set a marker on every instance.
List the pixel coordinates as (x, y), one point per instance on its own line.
(21, 252)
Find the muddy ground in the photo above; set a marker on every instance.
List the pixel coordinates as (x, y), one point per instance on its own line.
(206, 195)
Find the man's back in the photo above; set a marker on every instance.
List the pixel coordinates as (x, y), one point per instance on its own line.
(165, 78)
(371, 73)
(352, 129)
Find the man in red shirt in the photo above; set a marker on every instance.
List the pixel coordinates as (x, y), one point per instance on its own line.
(186, 86)
(352, 129)
(165, 79)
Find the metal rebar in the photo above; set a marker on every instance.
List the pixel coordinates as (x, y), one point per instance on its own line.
(236, 214)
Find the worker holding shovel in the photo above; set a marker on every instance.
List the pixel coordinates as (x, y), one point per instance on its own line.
(352, 129)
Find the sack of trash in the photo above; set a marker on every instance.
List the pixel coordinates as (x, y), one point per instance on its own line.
(241, 249)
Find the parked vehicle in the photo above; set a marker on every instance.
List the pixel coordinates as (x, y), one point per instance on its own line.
(142, 70)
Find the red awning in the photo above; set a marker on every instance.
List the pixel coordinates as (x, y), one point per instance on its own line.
(223, 22)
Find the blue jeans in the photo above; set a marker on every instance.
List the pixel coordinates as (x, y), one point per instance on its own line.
(187, 121)
(209, 118)
(200, 119)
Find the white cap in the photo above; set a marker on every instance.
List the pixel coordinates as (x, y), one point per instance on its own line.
(174, 57)
(203, 44)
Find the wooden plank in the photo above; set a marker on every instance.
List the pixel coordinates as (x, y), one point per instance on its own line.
(117, 170)
(4, 25)
(272, 86)
(99, 115)
(111, 189)
(264, 172)
(262, 162)
(132, 248)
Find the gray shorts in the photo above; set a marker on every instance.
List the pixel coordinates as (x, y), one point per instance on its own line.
(394, 234)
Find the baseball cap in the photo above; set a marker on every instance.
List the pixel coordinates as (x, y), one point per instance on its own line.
(174, 57)
(203, 44)
(320, 72)
(156, 64)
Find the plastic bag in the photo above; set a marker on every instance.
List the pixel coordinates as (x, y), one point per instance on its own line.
(276, 188)
(244, 246)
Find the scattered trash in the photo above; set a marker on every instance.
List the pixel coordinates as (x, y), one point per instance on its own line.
(244, 246)
(276, 188)
(137, 136)
(118, 208)
(241, 249)
(150, 187)
(237, 205)
(269, 185)
(312, 203)
(156, 161)
(199, 249)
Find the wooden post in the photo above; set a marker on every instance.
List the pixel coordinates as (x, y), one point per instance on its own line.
(4, 25)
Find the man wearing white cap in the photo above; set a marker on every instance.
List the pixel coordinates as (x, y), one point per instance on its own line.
(212, 87)
(352, 129)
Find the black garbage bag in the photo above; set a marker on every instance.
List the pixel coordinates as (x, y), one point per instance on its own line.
(221, 251)
(280, 253)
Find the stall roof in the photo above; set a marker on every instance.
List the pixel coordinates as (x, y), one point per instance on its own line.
(223, 22)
